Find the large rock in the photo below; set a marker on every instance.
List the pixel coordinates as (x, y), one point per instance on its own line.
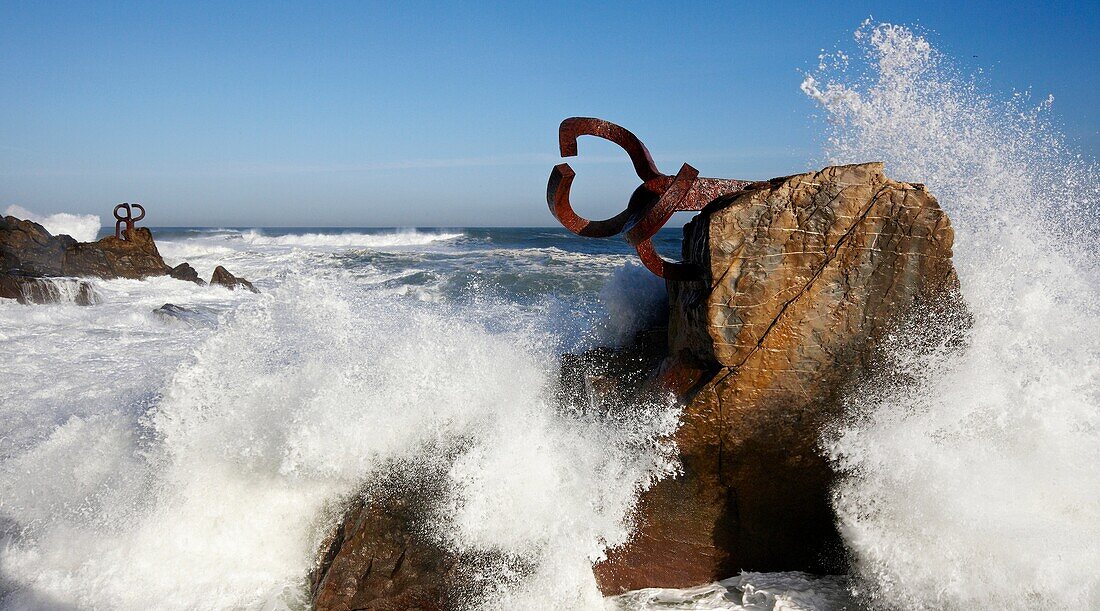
(110, 257)
(222, 277)
(803, 276)
(27, 249)
(385, 555)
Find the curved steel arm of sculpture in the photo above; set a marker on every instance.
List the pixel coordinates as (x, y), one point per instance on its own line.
(561, 177)
(652, 203)
(129, 219)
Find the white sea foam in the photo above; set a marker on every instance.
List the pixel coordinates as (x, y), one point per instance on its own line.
(746, 592)
(975, 484)
(350, 240)
(65, 291)
(210, 484)
(177, 251)
(82, 227)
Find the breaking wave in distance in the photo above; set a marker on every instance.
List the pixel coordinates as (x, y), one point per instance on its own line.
(350, 240)
(970, 478)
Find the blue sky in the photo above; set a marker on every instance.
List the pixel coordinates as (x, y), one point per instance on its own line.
(417, 114)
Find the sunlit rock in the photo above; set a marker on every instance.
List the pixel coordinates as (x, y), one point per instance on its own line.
(803, 276)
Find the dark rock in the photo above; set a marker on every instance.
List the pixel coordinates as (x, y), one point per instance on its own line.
(184, 271)
(26, 248)
(611, 378)
(194, 316)
(383, 556)
(224, 278)
(378, 559)
(804, 276)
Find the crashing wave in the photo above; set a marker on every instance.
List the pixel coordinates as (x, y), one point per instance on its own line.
(82, 227)
(349, 240)
(970, 479)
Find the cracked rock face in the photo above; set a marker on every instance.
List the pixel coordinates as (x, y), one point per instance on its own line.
(803, 277)
(376, 560)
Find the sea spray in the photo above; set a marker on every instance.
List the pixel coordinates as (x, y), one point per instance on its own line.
(409, 237)
(635, 299)
(216, 489)
(971, 481)
(81, 227)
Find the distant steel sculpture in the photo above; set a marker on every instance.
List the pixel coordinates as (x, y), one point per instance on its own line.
(651, 204)
(129, 219)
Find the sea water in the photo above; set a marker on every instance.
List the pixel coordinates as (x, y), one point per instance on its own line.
(153, 461)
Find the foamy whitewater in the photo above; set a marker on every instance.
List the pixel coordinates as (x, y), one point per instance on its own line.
(149, 461)
(82, 227)
(972, 478)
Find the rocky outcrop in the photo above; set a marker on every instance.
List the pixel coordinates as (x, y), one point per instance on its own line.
(135, 257)
(185, 272)
(28, 252)
(385, 554)
(803, 277)
(222, 277)
(27, 249)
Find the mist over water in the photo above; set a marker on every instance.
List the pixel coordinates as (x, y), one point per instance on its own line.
(971, 478)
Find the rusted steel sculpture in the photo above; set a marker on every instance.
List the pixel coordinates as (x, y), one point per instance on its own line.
(652, 203)
(129, 219)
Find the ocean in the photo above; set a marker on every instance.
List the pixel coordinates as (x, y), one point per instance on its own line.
(197, 461)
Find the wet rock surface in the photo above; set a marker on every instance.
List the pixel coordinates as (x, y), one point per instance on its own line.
(384, 554)
(804, 276)
(378, 560)
(194, 316)
(185, 272)
(222, 277)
